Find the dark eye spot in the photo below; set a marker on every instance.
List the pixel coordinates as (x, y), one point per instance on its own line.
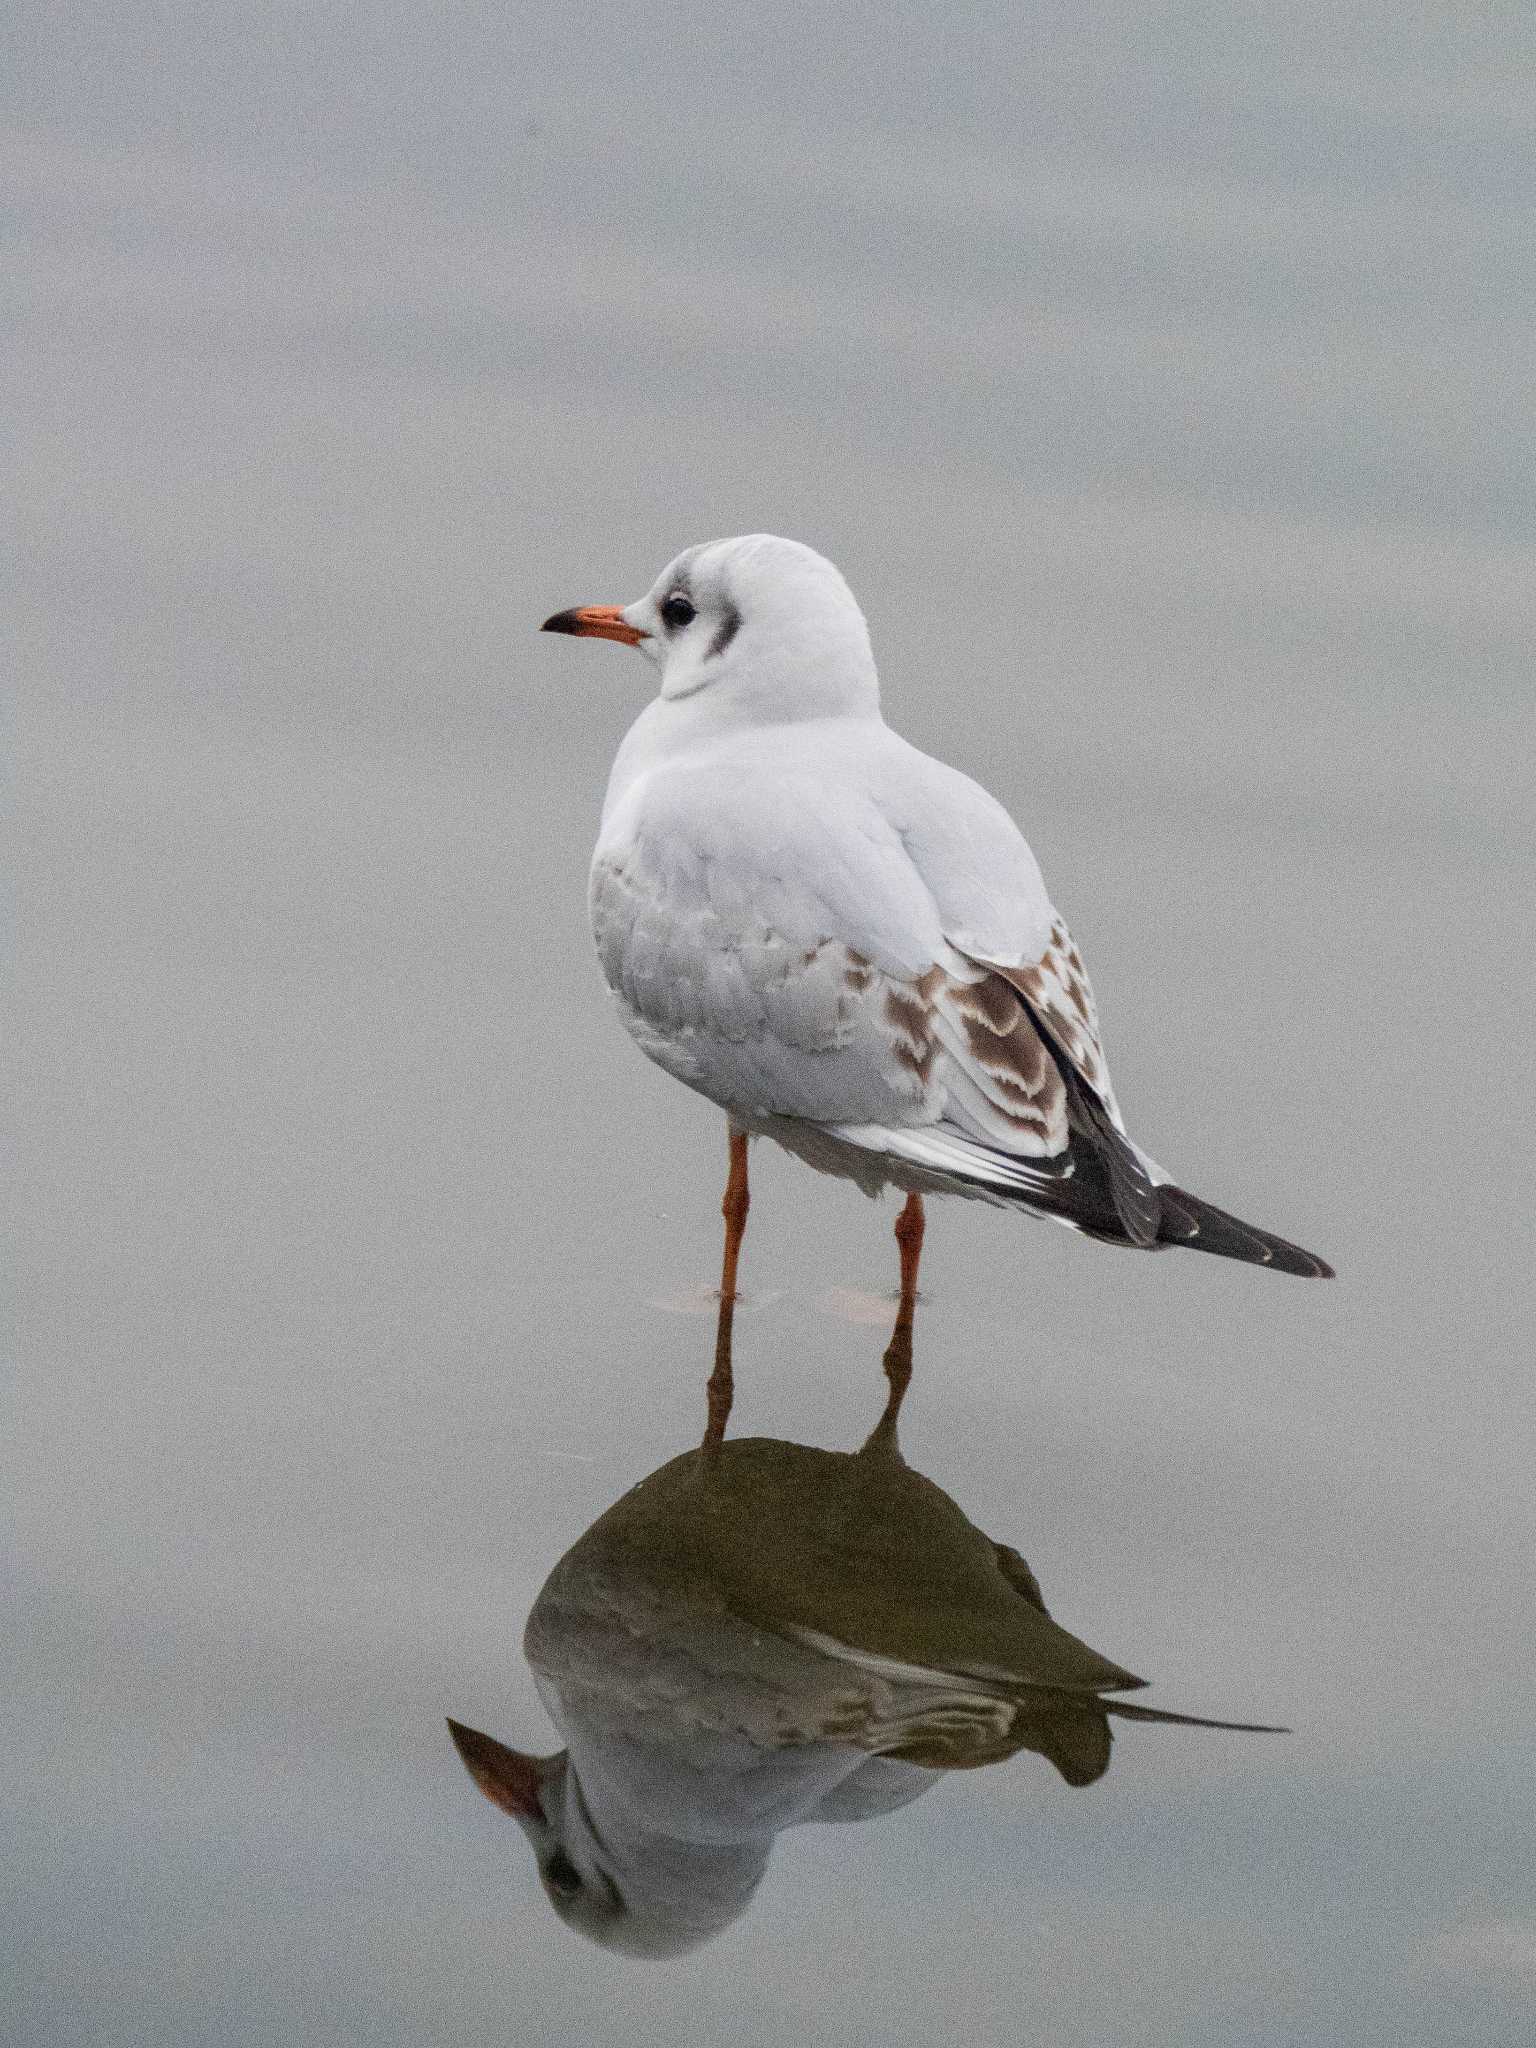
(562, 1876)
(676, 611)
(729, 627)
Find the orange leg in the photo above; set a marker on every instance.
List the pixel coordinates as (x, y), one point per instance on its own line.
(734, 1209)
(909, 1242)
(898, 1353)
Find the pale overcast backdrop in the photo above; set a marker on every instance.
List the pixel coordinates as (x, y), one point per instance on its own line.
(1160, 376)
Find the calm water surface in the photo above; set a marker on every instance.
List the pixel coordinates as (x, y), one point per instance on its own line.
(1154, 389)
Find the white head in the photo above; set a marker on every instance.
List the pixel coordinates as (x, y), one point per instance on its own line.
(767, 622)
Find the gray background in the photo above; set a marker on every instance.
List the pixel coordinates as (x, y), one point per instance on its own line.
(1159, 376)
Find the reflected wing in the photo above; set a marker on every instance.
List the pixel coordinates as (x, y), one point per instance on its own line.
(958, 1720)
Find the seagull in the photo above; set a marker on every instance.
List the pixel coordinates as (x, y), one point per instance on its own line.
(846, 944)
(767, 1636)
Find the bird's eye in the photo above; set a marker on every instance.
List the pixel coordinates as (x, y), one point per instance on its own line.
(562, 1876)
(676, 611)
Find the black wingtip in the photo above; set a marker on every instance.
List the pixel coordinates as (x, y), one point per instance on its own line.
(1200, 1225)
(1163, 1717)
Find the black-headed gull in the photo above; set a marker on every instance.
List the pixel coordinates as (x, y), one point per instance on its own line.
(843, 942)
(765, 1636)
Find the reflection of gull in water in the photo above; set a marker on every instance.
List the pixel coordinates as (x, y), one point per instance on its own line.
(844, 943)
(761, 1634)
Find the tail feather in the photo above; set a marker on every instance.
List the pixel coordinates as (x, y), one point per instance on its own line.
(1125, 1711)
(1078, 1743)
(1100, 1187)
(1188, 1220)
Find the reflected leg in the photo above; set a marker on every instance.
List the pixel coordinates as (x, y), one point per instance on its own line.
(898, 1353)
(733, 1208)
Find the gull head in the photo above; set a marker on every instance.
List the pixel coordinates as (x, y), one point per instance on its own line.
(542, 1795)
(761, 622)
(531, 1789)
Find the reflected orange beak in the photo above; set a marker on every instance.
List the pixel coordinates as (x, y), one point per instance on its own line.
(596, 622)
(509, 1778)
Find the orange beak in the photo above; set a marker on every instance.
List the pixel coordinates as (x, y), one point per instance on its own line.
(596, 622)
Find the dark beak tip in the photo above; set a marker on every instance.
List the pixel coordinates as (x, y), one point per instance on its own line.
(561, 622)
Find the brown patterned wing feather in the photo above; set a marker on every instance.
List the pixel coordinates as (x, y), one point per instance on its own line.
(994, 1040)
(1059, 1002)
(969, 1037)
(1060, 999)
(1188, 1219)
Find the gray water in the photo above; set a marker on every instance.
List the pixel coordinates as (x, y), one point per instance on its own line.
(1160, 381)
